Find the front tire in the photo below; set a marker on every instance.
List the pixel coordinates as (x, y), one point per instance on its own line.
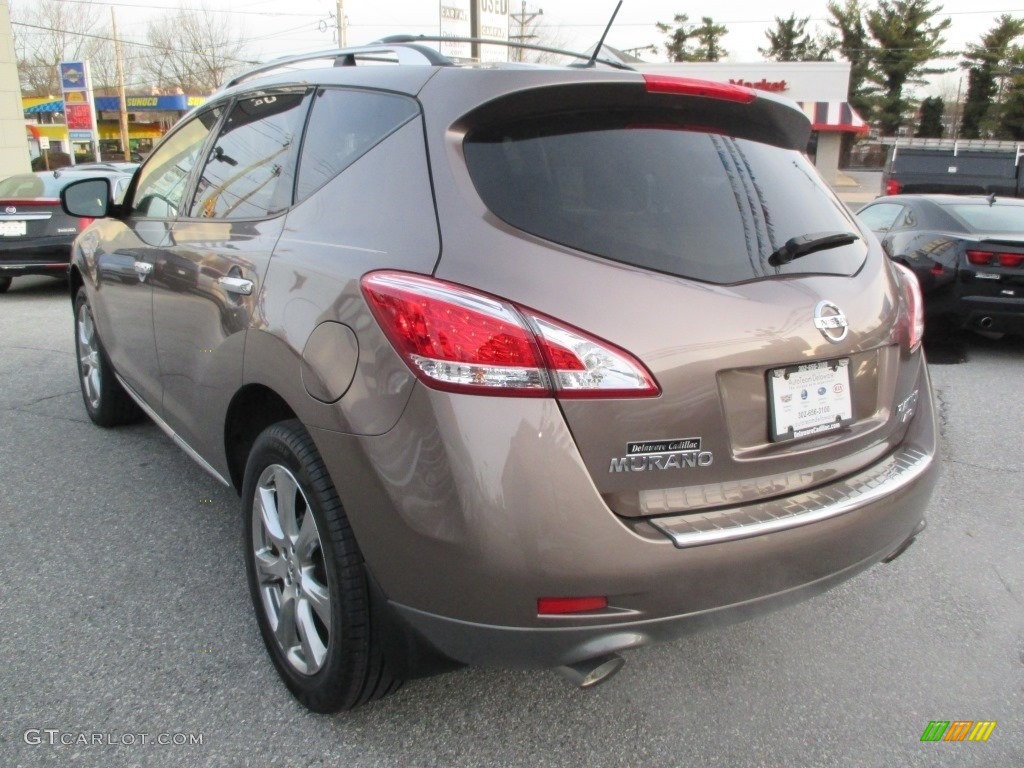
(306, 576)
(106, 402)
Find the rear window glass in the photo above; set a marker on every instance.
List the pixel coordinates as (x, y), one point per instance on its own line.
(990, 218)
(683, 202)
(31, 185)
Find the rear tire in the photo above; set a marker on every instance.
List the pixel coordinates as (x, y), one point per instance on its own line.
(5, 283)
(306, 576)
(106, 402)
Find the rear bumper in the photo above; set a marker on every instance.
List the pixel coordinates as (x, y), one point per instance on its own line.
(466, 523)
(49, 257)
(541, 648)
(998, 314)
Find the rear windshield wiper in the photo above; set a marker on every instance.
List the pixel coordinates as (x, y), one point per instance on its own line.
(802, 245)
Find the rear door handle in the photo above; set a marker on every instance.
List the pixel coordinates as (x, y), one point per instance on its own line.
(237, 285)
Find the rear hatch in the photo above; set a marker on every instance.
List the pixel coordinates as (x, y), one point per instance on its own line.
(647, 214)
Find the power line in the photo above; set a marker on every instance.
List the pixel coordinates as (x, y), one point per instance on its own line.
(151, 6)
(125, 42)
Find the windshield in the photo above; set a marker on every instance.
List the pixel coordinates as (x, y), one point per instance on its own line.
(643, 191)
(990, 218)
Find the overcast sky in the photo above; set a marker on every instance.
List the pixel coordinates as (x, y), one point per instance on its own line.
(277, 27)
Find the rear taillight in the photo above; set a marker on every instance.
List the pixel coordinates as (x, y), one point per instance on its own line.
(688, 86)
(459, 340)
(83, 223)
(556, 606)
(893, 187)
(915, 305)
(989, 258)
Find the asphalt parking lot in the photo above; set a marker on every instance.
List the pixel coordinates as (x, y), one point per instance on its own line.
(125, 617)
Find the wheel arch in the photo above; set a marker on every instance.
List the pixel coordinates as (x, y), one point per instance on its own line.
(252, 409)
(75, 281)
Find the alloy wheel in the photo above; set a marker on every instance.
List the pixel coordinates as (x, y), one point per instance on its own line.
(290, 569)
(89, 356)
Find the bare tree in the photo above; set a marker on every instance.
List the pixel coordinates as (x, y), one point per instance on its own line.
(527, 26)
(195, 50)
(47, 32)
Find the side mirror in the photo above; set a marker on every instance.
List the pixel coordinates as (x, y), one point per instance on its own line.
(86, 199)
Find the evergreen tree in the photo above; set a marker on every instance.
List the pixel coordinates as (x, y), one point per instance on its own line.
(854, 46)
(680, 38)
(709, 36)
(688, 42)
(907, 37)
(790, 41)
(930, 123)
(986, 63)
(1011, 118)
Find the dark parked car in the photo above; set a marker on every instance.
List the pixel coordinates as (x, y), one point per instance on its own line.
(967, 253)
(35, 234)
(971, 167)
(510, 365)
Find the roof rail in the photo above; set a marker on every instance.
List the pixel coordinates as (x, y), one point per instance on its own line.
(412, 39)
(403, 53)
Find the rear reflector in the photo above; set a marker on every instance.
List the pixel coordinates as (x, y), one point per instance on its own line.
(893, 187)
(688, 86)
(460, 340)
(553, 606)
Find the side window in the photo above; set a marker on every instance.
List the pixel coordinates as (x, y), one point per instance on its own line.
(164, 177)
(345, 125)
(251, 169)
(881, 217)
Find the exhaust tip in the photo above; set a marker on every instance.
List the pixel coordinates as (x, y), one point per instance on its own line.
(592, 672)
(985, 322)
(906, 544)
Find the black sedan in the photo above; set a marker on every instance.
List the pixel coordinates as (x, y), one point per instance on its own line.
(967, 253)
(35, 234)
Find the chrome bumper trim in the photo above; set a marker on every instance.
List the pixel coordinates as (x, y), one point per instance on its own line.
(886, 477)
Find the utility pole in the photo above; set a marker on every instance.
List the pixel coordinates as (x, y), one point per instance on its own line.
(123, 109)
(635, 52)
(342, 24)
(522, 20)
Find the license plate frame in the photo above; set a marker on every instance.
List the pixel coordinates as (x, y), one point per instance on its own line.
(809, 399)
(13, 228)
